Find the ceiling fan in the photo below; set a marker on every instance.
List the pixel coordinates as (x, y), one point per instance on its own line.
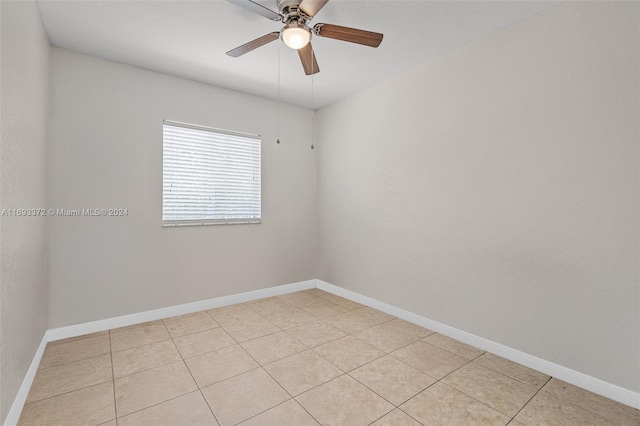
(296, 33)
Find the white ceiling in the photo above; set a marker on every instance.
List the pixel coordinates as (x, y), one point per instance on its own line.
(189, 39)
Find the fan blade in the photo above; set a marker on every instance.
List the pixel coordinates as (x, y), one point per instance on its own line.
(254, 44)
(308, 59)
(311, 7)
(353, 35)
(257, 8)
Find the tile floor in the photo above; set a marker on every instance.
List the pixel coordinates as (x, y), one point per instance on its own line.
(305, 358)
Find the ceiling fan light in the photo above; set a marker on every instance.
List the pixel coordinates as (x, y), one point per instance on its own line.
(296, 37)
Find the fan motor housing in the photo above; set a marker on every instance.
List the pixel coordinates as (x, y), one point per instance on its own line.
(290, 11)
(287, 3)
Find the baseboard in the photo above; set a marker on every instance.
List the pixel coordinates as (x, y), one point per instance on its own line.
(170, 311)
(568, 375)
(137, 318)
(16, 408)
(565, 374)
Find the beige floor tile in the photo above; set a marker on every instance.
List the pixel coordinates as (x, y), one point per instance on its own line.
(92, 405)
(344, 401)
(545, 409)
(392, 379)
(316, 333)
(607, 408)
(348, 353)
(69, 377)
(349, 304)
(77, 350)
(359, 319)
(393, 334)
(250, 328)
(270, 306)
(287, 413)
(190, 323)
(219, 365)
(129, 337)
(150, 387)
(109, 423)
(445, 406)
(429, 359)
(205, 341)
(453, 345)
(291, 318)
(301, 372)
(300, 299)
(190, 409)
(232, 313)
(273, 347)
(396, 418)
(76, 338)
(144, 357)
(512, 369)
(325, 309)
(496, 390)
(242, 397)
(407, 328)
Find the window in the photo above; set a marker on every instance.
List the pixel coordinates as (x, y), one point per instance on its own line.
(209, 176)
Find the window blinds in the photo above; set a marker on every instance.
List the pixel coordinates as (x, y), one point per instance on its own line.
(209, 176)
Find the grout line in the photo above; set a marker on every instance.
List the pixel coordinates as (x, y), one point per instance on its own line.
(256, 361)
(385, 414)
(76, 339)
(146, 368)
(256, 415)
(305, 409)
(265, 370)
(195, 332)
(307, 348)
(470, 396)
(311, 348)
(159, 403)
(509, 377)
(446, 384)
(384, 353)
(73, 362)
(71, 391)
(530, 399)
(410, 416)
(274, 379)
(374, 391)
(191, 374)
(113, 379)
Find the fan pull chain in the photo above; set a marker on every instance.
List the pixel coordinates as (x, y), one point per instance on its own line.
(312, 104)
(278, 139)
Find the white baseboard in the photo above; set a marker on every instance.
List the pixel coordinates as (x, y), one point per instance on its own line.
(16, 408)
(565, 374)
(137, 318)
(170, 311)
(568, 375)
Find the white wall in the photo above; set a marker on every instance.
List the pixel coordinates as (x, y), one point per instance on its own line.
(495, 189)
(106, 152)
(24, 95)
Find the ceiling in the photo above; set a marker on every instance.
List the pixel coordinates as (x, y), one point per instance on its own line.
(189, 39)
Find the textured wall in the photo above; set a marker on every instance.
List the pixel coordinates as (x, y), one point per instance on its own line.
(23, 240)
(106, 152)
(495, 189)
